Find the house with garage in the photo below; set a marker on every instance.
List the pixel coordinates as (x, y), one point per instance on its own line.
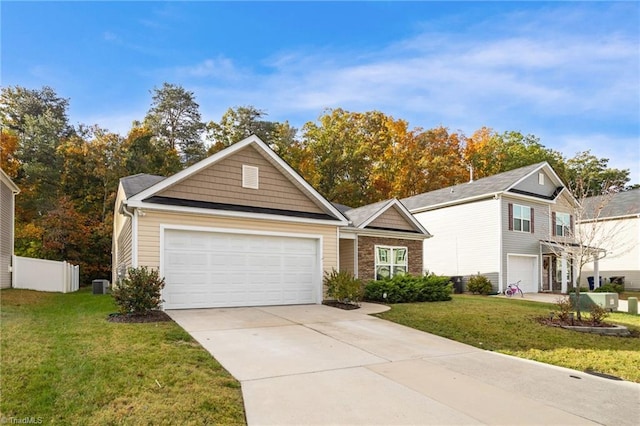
(616, 218)
(8, 191)
(509, 227)
(242, 228)
(382, 240)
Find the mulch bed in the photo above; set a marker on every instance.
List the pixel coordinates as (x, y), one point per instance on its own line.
(340, 305)
(557, 322)
(153, 316)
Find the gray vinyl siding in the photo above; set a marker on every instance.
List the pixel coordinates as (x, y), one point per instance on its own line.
(516, 242)
(6, 234)
(530, 184)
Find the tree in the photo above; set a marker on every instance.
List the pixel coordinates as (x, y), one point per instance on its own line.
(591, 176)
(8, 153)
(590, 236)
(145, 154)
(174, 119)
(17, 103)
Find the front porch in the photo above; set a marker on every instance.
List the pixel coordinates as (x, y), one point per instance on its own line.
(559, 270)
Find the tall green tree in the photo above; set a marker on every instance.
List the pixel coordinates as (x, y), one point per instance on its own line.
(591, 176)
(174, 119)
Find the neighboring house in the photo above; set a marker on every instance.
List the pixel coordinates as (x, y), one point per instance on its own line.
(383, 239)
(240, 228)
(508, 227)
(8, 191)
(620, 222)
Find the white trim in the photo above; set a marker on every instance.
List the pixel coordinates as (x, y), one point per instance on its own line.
(392, 263)
(318, 284)
(406, 235)
(7, 180)
(536, 277)
(403, 211)
(501, 269)
(251, 140)
(232, 213)
(134, 238)
(355, 258)
(456, 202)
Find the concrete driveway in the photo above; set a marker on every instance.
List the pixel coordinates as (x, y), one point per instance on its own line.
(313, 364)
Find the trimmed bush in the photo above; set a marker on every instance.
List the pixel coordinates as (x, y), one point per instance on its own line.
(343, 287)
(408, 288)
(610, 288)
(139, 292)
(479, 284)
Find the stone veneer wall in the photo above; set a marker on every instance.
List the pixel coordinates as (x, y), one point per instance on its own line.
(367, 259)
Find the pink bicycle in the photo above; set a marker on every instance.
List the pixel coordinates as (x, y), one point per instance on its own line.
(513, 289)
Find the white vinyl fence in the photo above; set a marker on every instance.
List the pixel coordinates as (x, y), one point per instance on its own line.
(45, 275)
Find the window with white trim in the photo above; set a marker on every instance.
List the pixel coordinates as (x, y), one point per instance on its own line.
(521, 218)
(390, 261)
(563, 224)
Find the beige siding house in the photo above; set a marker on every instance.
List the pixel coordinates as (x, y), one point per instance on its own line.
(8, 191)
(240, 228)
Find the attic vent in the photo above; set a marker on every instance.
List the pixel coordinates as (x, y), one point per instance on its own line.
(249, 177)
(541, 178)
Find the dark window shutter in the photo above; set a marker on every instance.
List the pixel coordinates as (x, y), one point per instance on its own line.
(571, 223)
(553, 223)
(533, 215)
(510, 217)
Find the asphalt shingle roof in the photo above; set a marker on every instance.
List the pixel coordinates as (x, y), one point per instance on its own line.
(485, 186)
(620, 204)
(137, 183)
(360, 215)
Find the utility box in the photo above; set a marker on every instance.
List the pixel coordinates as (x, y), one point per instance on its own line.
(458, 286)
(100, 286)
(608, 301)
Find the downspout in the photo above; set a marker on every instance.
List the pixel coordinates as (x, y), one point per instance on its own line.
(134, 234)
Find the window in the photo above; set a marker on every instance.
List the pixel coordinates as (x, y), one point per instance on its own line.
(249, 177)
(390, 261)
(562, 224)
(521, 218)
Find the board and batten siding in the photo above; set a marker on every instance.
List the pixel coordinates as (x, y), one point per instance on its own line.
(6, 233)
(466, 239)
(149, 233)
(222, 183)
(391, 219)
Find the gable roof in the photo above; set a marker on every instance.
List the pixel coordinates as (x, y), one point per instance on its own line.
(361, 217)
(148, 188)
(137, 183)
(481, 188)
(8, 182)
(621, 204)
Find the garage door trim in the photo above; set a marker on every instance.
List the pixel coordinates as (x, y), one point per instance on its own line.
(317, 282)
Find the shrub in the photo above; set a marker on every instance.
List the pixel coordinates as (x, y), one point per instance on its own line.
(139, 292)
(479, 284)
(343, 286)
(408, 288)
(610, 288)
(597, 313)
(565, 307)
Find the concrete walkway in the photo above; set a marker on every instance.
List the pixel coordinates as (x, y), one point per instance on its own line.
(316, 365)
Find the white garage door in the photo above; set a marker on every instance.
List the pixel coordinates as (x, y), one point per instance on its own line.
(524, 269)
(211, 269)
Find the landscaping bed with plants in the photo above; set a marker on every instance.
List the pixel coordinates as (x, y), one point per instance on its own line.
(513, 326)
(63, 362)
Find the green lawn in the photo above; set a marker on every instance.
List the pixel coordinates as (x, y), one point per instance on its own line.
(62, 362)
(509, 326)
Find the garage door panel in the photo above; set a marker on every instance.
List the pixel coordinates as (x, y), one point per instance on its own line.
(523, 269)
(206, 269)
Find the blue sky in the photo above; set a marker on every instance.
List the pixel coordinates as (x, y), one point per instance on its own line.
(567, 72)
